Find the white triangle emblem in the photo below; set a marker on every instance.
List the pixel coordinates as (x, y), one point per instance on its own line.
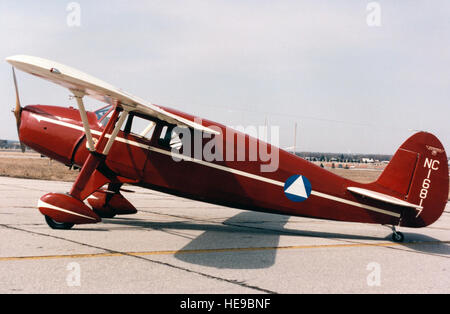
(297, 188)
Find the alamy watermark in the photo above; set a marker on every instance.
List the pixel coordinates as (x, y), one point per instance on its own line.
(239, 143)
(73, 278)
(373, 18)
(73, 18)
(374, 277)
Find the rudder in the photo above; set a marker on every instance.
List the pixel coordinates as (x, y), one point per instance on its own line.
(418, 173)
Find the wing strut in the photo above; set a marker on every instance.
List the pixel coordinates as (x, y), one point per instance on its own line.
(116, 130)
(87, 130)
(91, 177)
(89, 139)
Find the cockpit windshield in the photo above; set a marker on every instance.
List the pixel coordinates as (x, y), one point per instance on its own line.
(103, 114)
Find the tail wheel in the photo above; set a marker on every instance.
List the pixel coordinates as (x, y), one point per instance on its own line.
(398, 237)
(58, 225)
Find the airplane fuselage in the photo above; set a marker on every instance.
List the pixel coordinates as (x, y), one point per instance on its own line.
(184, 155)
(58, 133)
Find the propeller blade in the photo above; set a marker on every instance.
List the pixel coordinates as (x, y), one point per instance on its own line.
(18, 110)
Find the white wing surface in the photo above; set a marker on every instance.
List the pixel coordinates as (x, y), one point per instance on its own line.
(76, 80)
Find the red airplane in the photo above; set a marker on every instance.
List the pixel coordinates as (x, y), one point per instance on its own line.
(411, 192)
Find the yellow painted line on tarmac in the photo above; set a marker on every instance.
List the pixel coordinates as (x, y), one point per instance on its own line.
(223, 250)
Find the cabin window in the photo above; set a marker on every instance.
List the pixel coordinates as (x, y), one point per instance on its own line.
(139, 127)
(163, 134)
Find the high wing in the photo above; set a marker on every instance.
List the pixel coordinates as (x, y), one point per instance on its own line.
(85, 84)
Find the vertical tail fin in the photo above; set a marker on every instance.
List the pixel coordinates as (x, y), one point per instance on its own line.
(418, 173)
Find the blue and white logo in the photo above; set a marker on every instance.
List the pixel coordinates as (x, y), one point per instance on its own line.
(297, 188)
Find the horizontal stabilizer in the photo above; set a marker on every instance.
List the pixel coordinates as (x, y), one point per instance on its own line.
(382, 197)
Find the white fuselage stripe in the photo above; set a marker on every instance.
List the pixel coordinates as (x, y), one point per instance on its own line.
(219, 167)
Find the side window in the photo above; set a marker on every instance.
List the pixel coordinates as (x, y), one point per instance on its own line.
(139, 127)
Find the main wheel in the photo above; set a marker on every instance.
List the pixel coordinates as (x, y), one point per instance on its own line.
(398, 237)
(58, 225)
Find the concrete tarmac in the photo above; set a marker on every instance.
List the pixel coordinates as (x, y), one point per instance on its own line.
(174, 245)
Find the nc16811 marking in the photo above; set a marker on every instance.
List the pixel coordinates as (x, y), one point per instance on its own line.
(432, 165)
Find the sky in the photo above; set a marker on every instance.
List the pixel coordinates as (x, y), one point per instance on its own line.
(355, 76)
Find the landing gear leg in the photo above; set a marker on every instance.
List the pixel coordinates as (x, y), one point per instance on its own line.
(397, 236)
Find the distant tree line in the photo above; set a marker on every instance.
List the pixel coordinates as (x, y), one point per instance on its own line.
(340, 157)
(6, 144)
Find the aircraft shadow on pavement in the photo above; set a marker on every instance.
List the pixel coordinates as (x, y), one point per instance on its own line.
(422, 243)
(245, 230)
(245, 236)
